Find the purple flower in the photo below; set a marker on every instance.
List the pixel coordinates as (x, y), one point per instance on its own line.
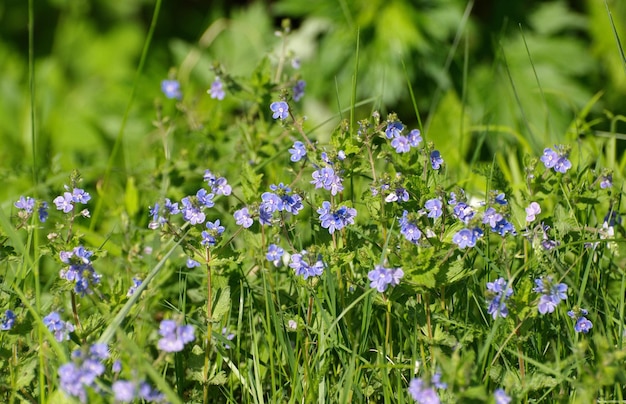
(532, 210)
(27, 204)
(549, 158)
(8, 320)
(436, 160)
(335, 219)
(79, 270)
(298, 152)
(243, 218)
(274, 254)
(298, 90)
(304, 267)
(465, 238)
(228, 335)
(214, 230)
(327, 179)
(556, 159)
(422, 393)
(394, 129)
(280, 110)
(501, 397)
(191, 263)
(582, 323)
(133, 288)
(401, 144)
(124, 391)
(399, 194)
(76, 376)
(174, 336)
(192, 211)
(408, 228)
(217, 89)
(415, 138)
(491, 217)
(552, 293)
(500, 198)
(382, 277)
(58, 327)
(171, 89)
(606, 182)
(503, 227)
(463, 212)
(434, 208)
(64, 202)
(497, 294)
(42, 211)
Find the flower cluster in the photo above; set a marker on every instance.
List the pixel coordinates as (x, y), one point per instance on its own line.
(556, 159)
(174, 336)
(171, 89)
(329, 180)
(219, 185)
(161, 216)
(298, 90)
(501, 397)
(298, 152)
(274, 254)
(582, 324)
(26, 206)
(381, 278)
(392, 189)
(217, 89)
(66, 201)
(79, 270)
(304, 265)
(82, 372)
(282, 199)
(551, 293)
(467, 238)
(214, 230)
(193, 206)
(61, 329)
(335, 219)
(127, 391)
(425, 393)
(497, 294)
(401, 143)
(408, 227)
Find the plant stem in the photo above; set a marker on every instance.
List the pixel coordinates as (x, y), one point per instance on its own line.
(209, 310)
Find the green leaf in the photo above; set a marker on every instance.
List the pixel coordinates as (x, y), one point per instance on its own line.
(131, 197)
(222, 305)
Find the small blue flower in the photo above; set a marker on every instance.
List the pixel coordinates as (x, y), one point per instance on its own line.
(274, 254)
(394, 129)
(7, 321)
(501, 397)
(401, 144)
(64, 202)
(556, 159)
(415, 138)
(463, 212)
(27, 204)
(500, 198)
(82, 373)
(497, 294)
(434, 207)
(243, 218)
(465, 238)
(381, 278)
(327, 179)
(532, 210)
(58, 327)
(422, 393)
(217, 89)
(582, 323)
(304, 267)
(298, 152)
(409, 229)
(298, 90)
(191, 263)
(552, 293)
(606, 182)
(80, 270)
(335, 219)
(171, 89)
(174, 336)
(491, 217)
(214, 230)
(436, 160)
(42, 211)
(133, 288)
(398, 195)
(280, 110)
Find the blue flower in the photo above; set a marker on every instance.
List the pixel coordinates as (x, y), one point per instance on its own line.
(298, 90)
(274, 254)
(79, 270)
(466, 237)
(415, 138)
(174, 336)
(335, 219)
(434, 207)
(606, 182)
(214, 230)
(381, 277)
(217, 89)
(8, 320)
(171, 89)
(436, 160)
(327, 179)
(306, 268)
(394, 129)
(243, 218)
(42, 211)
(501, 397)
(64, 202)
(552, 293)
(298, 152)
(401, 144)
(58, 327)
(463, 212)
(491, 217)
(582, 323)
(503, 227)
(27, 204)
(500, 198)
(556, 159)
(280, 110)
(192, 210)
(191, 263)
(532, 210)
(82, 372)
(219, 186)
(409, 229)
(133, 288)
(399, 194)
(497, 294)
(422, 393)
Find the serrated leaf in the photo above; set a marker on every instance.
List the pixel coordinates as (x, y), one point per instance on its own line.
(26, 374)
(250, 182)
(218, 379)
(222, 305)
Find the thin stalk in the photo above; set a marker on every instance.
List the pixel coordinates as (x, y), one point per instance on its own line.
(209, 310)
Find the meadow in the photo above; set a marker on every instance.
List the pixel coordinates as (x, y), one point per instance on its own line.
(300, 206)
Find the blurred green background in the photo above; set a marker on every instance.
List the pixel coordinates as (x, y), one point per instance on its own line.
(506, 76)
